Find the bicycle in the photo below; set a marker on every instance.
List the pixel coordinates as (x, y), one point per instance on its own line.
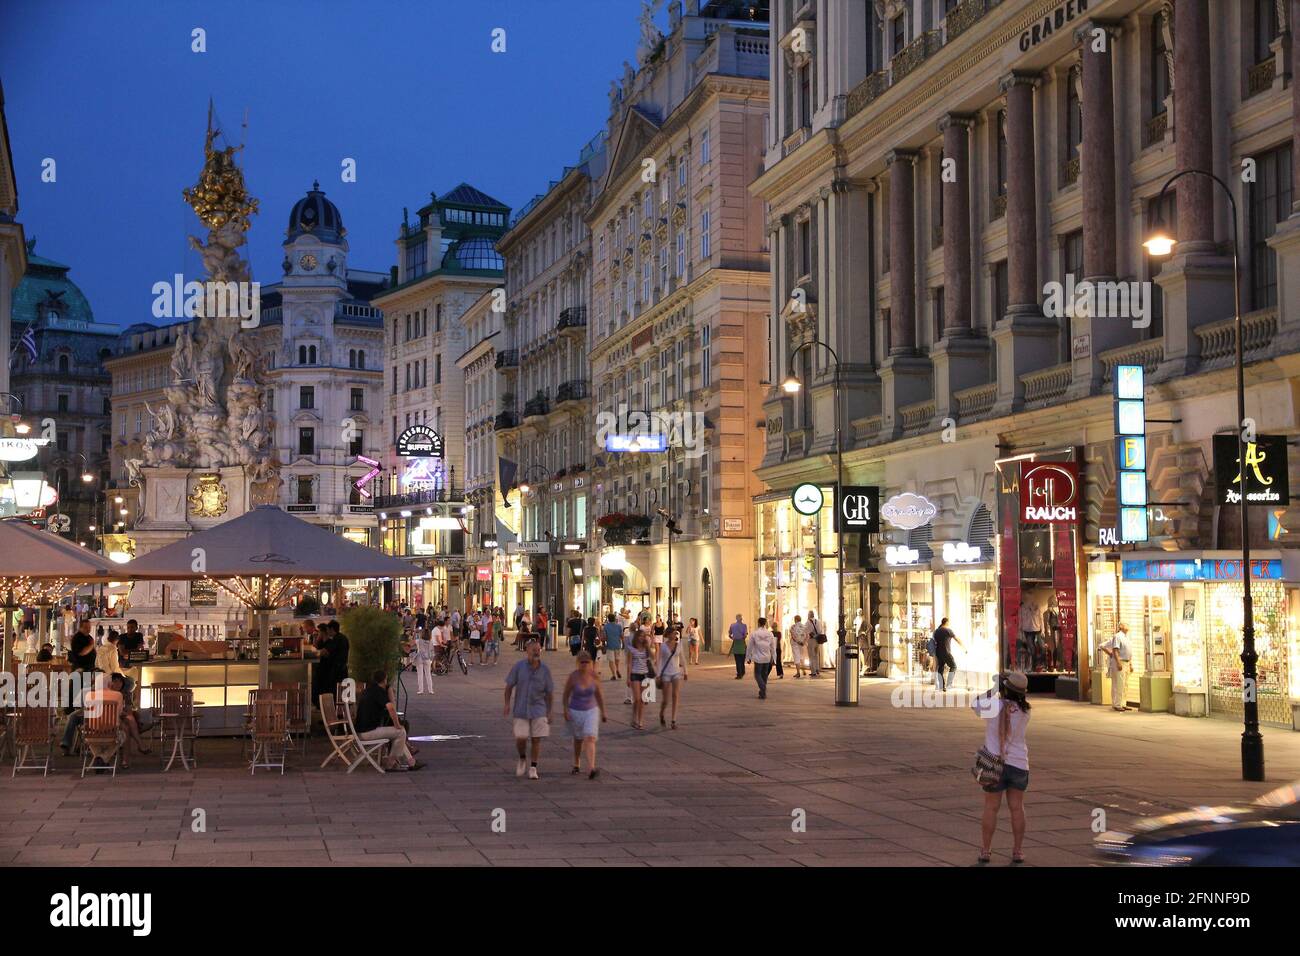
(443, 660)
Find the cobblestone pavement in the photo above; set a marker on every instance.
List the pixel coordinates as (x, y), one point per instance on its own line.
(879, 785)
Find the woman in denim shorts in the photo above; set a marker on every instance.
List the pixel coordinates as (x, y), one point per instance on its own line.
(1006, 714)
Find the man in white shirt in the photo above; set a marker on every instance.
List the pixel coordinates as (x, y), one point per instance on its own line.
(1120, 653)
(759, 649)
(799, 636)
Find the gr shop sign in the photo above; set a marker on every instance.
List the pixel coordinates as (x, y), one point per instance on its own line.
(1049, 492)
(1052, 24)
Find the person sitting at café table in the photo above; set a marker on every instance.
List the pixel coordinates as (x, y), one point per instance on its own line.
(377, 720)
(93, 697)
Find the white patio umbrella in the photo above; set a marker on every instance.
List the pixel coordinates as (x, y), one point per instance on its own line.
(36, 567)
(260, 558)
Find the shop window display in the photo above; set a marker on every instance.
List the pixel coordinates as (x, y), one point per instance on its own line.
(1223, 649)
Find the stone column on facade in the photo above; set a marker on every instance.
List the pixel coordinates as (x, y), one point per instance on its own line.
(961, 356)
(1197, 280)
(1285, 242)
(905, 374)
(1093, 334)
(1025, 339)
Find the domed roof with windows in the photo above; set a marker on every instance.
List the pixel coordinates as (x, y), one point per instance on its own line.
(475, 252)
(314, 215)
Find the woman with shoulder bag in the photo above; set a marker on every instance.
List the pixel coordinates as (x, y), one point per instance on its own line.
(672, 672)
(640, 666)
(1002, 764)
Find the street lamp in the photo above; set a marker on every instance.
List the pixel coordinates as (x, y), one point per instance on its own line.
(792, 385)
(1161, 243)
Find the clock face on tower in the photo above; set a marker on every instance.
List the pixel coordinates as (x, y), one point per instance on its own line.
(307, 262)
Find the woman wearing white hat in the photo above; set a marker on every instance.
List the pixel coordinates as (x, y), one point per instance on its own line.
(1002, 765)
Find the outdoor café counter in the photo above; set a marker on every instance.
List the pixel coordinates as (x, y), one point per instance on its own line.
(220, 686)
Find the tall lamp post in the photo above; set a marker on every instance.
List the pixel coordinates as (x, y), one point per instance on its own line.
(1161, 243)
(792, 385)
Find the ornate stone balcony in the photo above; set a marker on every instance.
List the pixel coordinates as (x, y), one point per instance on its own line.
(508, 358)
(962, 17)
(1219, 339)
(1148, 354)
(975, 401)
(917, 416)
(1155, 129)
(1047, 384)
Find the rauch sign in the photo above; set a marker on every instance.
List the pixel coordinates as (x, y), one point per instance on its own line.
(1049, 492)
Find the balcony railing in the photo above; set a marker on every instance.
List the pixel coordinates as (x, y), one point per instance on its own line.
(1219, 339)
(866, 91)
(962, 17)
(508, 358)
(1156, 127)
(1047, 383)
(1260, 77)
(505, 420)
(1070, 172)
(1147, 354)
(916, 416)
(414, 498)
(574, 317)
(571, 391)
(914, 54)
(539, 405)
(975, 401)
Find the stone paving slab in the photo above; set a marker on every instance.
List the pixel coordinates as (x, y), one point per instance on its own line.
(878, 786)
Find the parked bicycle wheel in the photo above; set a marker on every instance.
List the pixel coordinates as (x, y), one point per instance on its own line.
(460, 659)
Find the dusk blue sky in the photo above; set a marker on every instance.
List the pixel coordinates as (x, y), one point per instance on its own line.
(409, 88)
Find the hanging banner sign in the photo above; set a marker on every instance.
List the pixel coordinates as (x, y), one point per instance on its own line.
(857, 509)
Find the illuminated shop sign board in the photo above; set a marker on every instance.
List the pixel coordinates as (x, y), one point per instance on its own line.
(857, 509)
(637, 442)
(419, 441)
(1131, 452)
(807, 499)
(1049, 492)
(1265, 468)
(1205, 569)
(909, 511)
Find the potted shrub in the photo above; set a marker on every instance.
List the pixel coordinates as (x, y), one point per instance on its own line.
(374, 642)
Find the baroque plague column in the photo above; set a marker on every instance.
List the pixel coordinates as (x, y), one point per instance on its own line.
(209, 454)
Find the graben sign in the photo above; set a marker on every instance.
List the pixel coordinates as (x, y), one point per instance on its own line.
(1052, 23)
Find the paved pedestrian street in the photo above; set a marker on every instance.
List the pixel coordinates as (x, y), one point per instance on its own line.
(873, 785)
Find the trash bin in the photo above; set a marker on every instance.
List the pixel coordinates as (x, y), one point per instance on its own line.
(846, 675)
(553, 636)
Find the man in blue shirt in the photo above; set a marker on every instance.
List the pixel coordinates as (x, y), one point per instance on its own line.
(534, 692)
(613, 645)
(738, 632)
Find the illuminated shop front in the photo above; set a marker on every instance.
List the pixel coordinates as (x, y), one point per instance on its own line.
(622, 583)
(1040, 497)
(1184, 616)
(798, 566)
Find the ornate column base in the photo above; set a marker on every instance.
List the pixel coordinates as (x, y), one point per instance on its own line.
(1197, 290)
(960, 361)
(1026, 341)
(904, 379)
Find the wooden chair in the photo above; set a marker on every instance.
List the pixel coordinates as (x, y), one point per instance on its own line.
(179, 725)
(270, 728)
(101, 732)
(343, 738)
(299, 713)
(155, 707)
(33, 728)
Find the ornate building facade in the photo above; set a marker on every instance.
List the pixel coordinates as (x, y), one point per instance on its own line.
(679, 318)
(447, 260)
(937, 174)
(66, 385)
(543, 429)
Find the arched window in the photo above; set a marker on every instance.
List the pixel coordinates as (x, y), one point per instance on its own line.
(979, 533)
(311, 355)
(63, 365)
(352, 358)
(302, 355)
(361, 358)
